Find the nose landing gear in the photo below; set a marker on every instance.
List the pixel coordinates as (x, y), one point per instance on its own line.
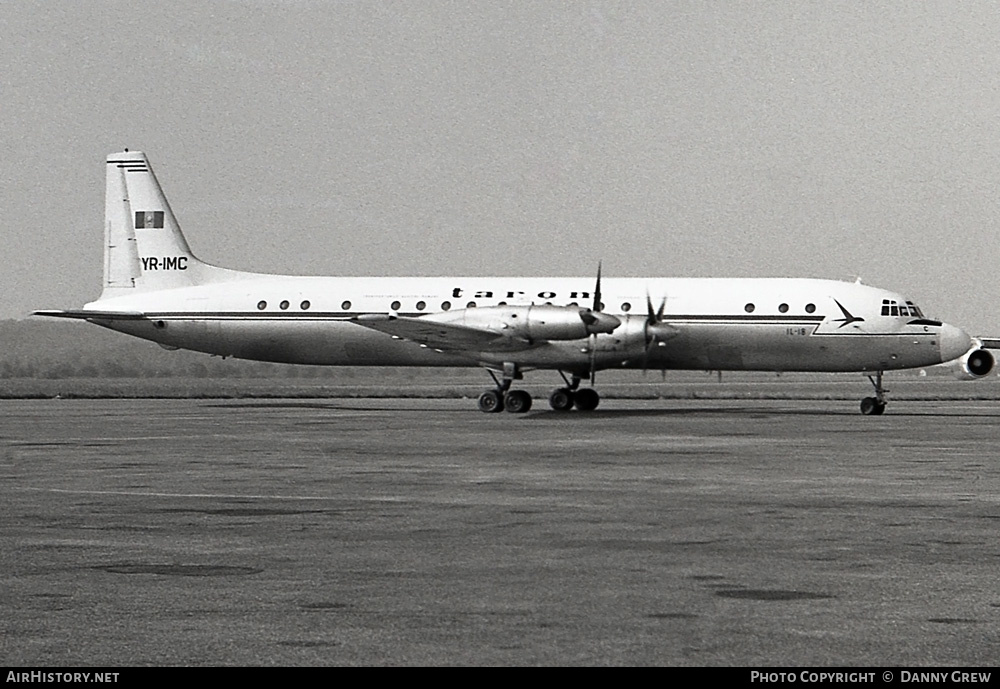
(875, 406)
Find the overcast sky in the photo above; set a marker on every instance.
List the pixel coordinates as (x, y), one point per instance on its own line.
(821, 139)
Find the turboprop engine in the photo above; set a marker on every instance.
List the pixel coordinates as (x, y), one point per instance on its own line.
(535, 322)
(975, 363)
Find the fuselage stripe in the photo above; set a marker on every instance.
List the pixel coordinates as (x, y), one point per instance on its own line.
(322, 315)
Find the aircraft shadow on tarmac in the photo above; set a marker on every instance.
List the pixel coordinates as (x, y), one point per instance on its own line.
(900, 410)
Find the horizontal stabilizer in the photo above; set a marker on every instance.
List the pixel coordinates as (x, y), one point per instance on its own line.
(88, 315)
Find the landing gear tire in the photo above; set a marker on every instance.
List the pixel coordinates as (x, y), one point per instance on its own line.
(490, 402)
(561, 399)
(872, 407)
(586, 399)
(516, 401)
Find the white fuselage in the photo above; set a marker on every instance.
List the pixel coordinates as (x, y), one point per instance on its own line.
(772, 324)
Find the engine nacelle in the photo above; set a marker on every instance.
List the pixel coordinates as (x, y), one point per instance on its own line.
(542, 322)
(974, 364)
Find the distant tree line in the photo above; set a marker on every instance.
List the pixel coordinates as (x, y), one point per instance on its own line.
(49, 349)
(37, 348)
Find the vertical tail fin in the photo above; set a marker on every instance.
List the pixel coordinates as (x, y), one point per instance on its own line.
(144, 249)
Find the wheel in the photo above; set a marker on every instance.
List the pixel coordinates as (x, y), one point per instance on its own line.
(490, 402)
(872, 407)
(561, 399)
(517, 401)
(586, 399)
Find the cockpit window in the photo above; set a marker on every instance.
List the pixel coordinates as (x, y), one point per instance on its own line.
(892, 308)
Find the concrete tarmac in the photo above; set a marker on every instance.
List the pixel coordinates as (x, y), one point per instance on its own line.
(399, 532)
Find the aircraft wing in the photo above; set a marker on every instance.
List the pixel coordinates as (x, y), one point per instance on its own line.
(446, 337)
(83, 314)
(990, 342)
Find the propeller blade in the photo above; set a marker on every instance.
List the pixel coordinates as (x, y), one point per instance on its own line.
(652, 318)
(593, 338)
(597, 289)
(593, 359)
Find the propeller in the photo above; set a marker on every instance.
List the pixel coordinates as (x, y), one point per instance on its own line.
(655, 330)
(594, 313)
(595, 321)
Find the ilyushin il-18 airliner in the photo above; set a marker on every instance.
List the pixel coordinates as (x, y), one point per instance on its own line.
(155, 288)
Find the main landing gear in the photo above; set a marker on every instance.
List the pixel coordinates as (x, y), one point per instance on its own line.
(875, 406)
(519, 401)
(514, 401)
(564, 399)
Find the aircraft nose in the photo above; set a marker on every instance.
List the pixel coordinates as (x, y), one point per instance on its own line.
(954, 342)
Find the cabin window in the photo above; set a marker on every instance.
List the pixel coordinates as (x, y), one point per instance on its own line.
(626, 307)
(261, 305)
(395, 306)
(892, 308)
(421, 306)
(783, 308)
(305, 305)
(749, 308)
(471, 305)
(445, 305)
(283, 305)
(345, 306)
(810, 308)
(502, 303)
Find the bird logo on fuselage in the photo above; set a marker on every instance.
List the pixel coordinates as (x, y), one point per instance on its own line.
(848, 316)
